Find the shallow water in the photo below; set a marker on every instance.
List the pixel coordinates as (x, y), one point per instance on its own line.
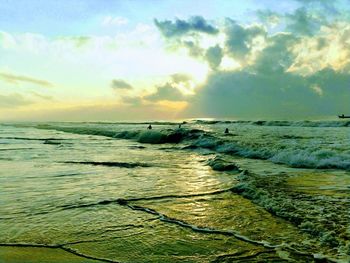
(120, 193)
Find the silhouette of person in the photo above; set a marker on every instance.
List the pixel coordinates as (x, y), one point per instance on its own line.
(179, 126)
(226, 130)
(149, 127)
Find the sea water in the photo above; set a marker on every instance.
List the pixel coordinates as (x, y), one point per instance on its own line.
(272, 191)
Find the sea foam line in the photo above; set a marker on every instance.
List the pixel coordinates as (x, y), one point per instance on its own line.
(124, 201)
(237, 235)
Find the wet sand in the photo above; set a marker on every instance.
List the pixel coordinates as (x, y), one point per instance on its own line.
(39, 254)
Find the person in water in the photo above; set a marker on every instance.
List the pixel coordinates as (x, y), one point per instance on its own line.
(226, 130)
(149, 127)
(179, 126)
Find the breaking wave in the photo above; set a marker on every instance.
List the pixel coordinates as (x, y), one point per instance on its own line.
(310, 155)
(142, 136)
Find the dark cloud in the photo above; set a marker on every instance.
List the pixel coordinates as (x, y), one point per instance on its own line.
(268, 17)
(15, 79)
(185, 34)
(267, 88)
(303, 22)
(180, 78)
(276, 57)
(286, 73)
(250, 95)
(178, 28)
(193, 48)
(13, 101)
(326, 5)
(166, 92)
(214, 56)
(239, 39)
(120, 84)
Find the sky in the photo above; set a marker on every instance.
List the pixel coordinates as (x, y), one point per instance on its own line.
(117, 60)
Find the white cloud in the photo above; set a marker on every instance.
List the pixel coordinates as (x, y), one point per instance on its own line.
(114, 21)
(330, 48)
(317, 89)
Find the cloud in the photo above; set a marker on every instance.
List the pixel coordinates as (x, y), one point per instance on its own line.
(286, 95)
(114, 21)
(269, 17)
(182, 33)
(329, 49)
(16, 79)
(166, 92)
(193, 48)
(326, 5)
(13, 101)
(118, 84)
(293, 64)
(301, 71)
(41, 96)
(77, 41)
(180, 78)
(317, 90)
(277, 56)
(291, 76)
(176, 90)
(132, 100)
(240, 40)
(303, 22)
(214, 56)
(195, 24)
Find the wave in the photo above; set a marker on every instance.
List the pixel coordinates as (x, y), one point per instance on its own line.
(304, 123)
(278, 123)
(16, 149)
(159, 137)
(297, 208)
(311, 155)
(142, 136)
(219, 164)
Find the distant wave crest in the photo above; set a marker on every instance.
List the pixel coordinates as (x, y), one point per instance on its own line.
(280, 123)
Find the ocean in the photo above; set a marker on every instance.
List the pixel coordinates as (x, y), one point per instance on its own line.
(267, 191)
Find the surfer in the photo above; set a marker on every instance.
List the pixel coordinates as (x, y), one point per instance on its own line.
(226, 131)
(149, 127)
